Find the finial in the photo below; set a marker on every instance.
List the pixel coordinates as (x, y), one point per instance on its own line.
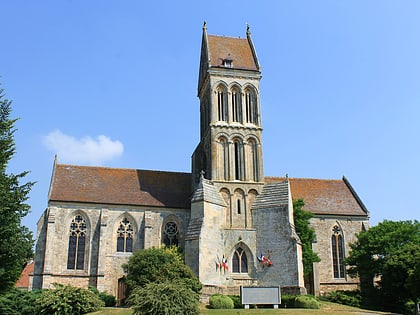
(202, 174)
(204, 25)
(287, 175)
(248, 31)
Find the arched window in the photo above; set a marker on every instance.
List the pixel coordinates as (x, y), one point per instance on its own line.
(170, 234)
(253, 152)
(223, 166)
(236, 105)
(125, 236)
(251, 107)
(238, 160)
(337, 245)
(239, 261)
(77, 243)
(221, 105)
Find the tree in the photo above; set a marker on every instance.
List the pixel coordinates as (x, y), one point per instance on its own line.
(306, 234)
(159, 265)
(15, 240)
(386, 258)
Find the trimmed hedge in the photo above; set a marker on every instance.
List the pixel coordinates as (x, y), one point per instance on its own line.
(219, 301)
(306, 301)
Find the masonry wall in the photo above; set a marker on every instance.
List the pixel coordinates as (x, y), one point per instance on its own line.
(323, 226)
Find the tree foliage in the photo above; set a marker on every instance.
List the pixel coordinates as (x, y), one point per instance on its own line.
(159, 265)
(389, 253)
(306, 234)
(168, 297)
(15, 240)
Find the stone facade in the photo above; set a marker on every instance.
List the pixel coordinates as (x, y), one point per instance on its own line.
(236, 225)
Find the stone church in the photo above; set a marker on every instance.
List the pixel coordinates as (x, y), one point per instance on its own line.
(234, 223)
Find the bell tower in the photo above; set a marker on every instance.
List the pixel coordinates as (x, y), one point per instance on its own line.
(230, 148)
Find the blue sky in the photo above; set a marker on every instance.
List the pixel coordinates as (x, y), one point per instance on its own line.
(114, 83)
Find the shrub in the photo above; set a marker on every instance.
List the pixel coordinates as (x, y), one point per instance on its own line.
(351, 298)
(218, 301)
(108, 299)
(20, 302)
(306, 301)
(67, 300)
(288, 301)
(164, 298)
(237, 303)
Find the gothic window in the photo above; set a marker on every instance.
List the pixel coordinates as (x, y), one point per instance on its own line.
(125, 236)
(170, 234)
(221, 105)
(223, 166)
(77, 242)
(236, 105)
(238, 160)
(253, 149)
(337, 246)
(251, 107)
(239, 261)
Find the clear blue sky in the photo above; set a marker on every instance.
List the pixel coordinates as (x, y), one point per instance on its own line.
(114, 83)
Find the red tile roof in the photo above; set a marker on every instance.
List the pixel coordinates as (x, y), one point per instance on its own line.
(236, 49)
(325, 196)
(72, 183)
(23, 282)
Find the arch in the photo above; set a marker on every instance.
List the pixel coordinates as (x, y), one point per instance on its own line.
(239, 201)
(171, 231)
(223, 158)
(241, 259)
(78, 241)
(225, 193)
(238, 159)
(252, 195)
(221, 101)
(125, 231)
(251, 106)
(337, 250)
(253, 159)
(236, 103)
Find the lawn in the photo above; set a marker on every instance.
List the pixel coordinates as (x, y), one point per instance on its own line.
(326, 308)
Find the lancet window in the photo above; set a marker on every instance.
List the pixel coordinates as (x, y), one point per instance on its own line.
(337, 245)
(239, 261)
(77, 243)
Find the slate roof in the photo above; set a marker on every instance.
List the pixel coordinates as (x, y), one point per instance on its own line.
(273, 195)
(236, 49)
(120, 186)
(325, 196)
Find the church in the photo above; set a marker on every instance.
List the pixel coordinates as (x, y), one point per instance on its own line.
(234, 223)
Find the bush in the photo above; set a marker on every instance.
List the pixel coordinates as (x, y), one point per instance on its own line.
(306, 301)
(237, 303)
(19, 302)
(288, 301)
(219, 301)
(164, 298)
(67, 300)
(108, 299)
(351, 298)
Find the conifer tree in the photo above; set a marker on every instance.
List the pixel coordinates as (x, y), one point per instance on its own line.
(15, 240)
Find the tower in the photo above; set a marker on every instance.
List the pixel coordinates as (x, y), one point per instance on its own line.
(230, 148)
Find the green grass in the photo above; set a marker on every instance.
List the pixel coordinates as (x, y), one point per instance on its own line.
(326, 308)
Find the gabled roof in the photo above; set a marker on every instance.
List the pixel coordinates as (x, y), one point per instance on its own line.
(236, 49)
(273, 195)
(119, 186)
(325, 196)
(23, 281)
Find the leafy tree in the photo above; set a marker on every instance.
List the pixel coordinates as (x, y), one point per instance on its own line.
(306, 234)
(15, 240)
(159, 265)
(389, 253)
